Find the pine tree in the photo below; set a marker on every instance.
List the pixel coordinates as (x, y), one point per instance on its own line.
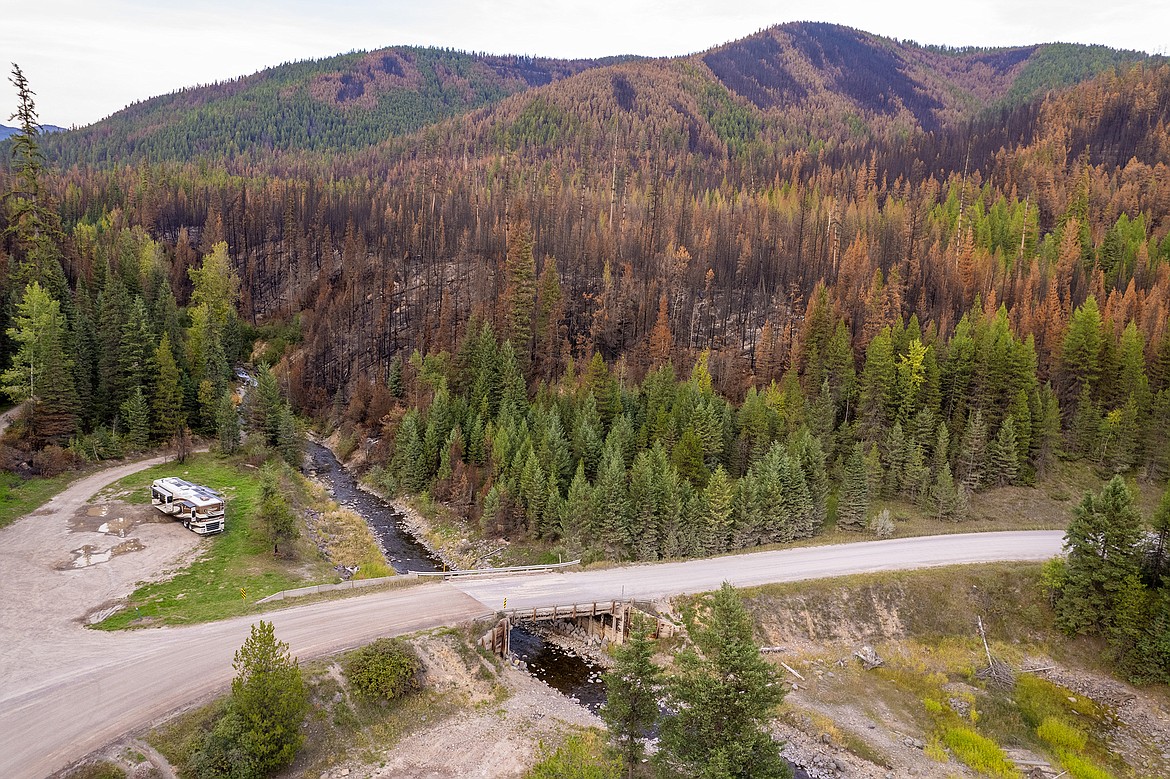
(916, 475)
(1081, 351)
(718, 506)
(227, 424)
(853, 497)
(1102, 544)
(687, 457)
(520, 287)
(270, 699)
(576, 514)
(724, 695)
(878, 388)
(611, 505)
(873, 471)
(135, 418)
(896, 455)
(32, 221)
(41, 371)
(806, 452)
(604, 389)
(168, 395)
(973, 453)
(1003, 465)
(948, 499)
(631, 706)
(289, 440)
(1086, 425)
(549, 313)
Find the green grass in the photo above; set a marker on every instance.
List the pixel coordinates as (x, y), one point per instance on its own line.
(978, 752)
(20, 496)
(237, 567)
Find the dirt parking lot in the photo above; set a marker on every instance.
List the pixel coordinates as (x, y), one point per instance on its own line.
(70, 562)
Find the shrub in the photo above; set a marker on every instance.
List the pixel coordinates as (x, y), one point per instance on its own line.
(53, 460)
(580, 757)
(382, 671)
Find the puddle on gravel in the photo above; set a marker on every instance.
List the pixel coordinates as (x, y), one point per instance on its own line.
(115, 527)
(114, 519)
(89, 554)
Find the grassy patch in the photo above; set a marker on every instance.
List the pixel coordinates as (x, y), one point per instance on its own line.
(350, 542)
(20, 496)
(582, 755)
(236, 568)
(979, 752)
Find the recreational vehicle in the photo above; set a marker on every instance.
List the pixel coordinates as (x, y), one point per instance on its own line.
(199, 508)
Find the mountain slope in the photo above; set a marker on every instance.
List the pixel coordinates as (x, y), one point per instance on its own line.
(810, 81)
(343, 102)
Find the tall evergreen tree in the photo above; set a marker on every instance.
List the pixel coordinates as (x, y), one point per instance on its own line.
(723, 694)
(41, 371)
(167, 402)
(853, 497)
(631, 706)
(520, 287)
(1003, 466)
(227, 424)
(270, 698)
(1102, 543)
(135, 418)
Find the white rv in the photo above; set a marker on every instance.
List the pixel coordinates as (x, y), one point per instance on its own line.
(200, 509)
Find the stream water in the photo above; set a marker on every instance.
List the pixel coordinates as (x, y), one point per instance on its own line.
(570, 674)
(403, 551)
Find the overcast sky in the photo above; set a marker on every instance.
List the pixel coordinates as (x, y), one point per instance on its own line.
(86, 59)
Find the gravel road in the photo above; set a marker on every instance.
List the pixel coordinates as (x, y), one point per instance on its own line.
(65, 690)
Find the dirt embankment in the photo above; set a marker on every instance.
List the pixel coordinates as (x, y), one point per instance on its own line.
(842, 719)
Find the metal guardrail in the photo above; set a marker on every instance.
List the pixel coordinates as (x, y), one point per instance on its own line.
(351, 584)
(495, 571)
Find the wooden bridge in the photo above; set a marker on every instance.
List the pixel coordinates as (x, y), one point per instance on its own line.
(605, 621)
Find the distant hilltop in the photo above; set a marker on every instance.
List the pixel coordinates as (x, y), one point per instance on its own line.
(8, 132)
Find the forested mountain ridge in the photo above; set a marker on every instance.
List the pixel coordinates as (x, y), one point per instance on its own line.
(339, 103)
(813, 80)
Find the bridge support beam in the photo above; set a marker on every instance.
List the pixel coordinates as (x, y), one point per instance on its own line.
(498, 640)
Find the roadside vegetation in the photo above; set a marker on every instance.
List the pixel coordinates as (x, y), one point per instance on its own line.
(358, 705)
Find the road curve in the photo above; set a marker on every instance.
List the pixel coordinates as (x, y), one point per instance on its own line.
(94, 687)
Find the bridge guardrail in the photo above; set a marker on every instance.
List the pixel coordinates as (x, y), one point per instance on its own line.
(492, 571)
